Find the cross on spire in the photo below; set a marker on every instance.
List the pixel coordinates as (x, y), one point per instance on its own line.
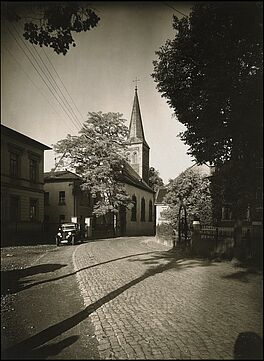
(136, 81)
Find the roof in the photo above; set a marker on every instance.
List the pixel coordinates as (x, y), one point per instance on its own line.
(136, 131)
(60, 176)
(22, 137)
(202, 169)
(161, 192)
(130, 176)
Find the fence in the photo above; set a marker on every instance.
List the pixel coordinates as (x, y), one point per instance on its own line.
(213, 241)
(31, 233)
(220, 241)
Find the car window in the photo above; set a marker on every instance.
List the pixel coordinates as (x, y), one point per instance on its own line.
(68, 228)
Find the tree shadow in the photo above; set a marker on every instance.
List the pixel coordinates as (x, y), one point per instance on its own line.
(248, 346)
(177, 261)
(43, 352)
(57, 329)
(11, 280)
(75, 272)
(241, 275)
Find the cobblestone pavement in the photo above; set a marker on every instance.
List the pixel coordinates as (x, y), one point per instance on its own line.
(148, 304)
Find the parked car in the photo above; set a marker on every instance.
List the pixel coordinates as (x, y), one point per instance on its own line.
(69, 233)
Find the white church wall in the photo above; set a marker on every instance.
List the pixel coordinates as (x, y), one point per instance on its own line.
(138, 227)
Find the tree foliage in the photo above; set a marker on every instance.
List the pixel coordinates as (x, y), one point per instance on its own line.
(155, 181)
(193, 190)
(97, 155)
(52, 23)
(211, 75)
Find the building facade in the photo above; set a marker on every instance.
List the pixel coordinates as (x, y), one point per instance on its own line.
(140, 220)
(64, 199)
(22, 181)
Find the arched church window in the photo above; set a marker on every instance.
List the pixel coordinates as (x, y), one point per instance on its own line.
(143, 210)
(134, 157)
(134, 209)
(150, 211)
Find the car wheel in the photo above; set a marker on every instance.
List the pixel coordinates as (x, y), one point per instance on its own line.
(57, 242)
(73, 240)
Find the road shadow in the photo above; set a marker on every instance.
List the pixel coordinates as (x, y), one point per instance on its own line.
(41, 353)
(61, 327)
(178, 261)
(11, 281)
(82, 269)
(248, 346)
(242, 276)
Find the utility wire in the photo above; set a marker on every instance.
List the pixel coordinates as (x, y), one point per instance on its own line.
(40, 75)
(40, 90)
(62, 99)
(53, 67)
(65, 101)
(62, 83)
(174, 9)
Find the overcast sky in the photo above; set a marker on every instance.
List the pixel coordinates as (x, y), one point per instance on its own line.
(98, 74)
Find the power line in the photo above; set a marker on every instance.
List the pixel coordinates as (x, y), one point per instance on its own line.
(68, 105)
(63, 97)
(62, 83)
(40, 75)
(174, 9)
(65, 101)
(44, 95)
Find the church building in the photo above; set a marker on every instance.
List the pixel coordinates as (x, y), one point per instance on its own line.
(140, 220)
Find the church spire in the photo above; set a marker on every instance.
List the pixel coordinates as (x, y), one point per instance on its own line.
(138, 149)
(136, 132)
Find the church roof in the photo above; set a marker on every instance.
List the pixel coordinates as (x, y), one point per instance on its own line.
(130, 176)
(136, 131)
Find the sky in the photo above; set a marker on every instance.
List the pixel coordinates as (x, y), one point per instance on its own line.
(96, 75)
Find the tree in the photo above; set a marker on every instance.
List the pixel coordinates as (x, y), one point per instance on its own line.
(211, 75)
(193, 190)
(155, 181)
(52, 24)
(97, 155)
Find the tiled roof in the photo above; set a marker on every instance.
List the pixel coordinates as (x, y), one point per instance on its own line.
(129, 176)
(60, 175)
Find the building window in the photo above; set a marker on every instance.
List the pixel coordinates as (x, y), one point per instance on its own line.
(143, 210)
(134, 209)
(14, 208)
(14, 164)
(226, 213)
(61, 197)
(128, 157)
(150, 211)
(62, 218)
(46, 198)
(134, 157)
(33, 204)
(33, 170)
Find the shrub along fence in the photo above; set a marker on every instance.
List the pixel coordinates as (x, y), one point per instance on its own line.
(210, 241)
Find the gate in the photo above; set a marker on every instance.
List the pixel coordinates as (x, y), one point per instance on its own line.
(183, 226)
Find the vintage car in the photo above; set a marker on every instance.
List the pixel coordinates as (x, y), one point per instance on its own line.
(69, 233)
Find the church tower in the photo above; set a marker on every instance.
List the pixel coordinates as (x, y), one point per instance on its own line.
(137, 145)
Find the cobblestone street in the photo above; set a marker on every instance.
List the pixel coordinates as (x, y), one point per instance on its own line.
(149, 303)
